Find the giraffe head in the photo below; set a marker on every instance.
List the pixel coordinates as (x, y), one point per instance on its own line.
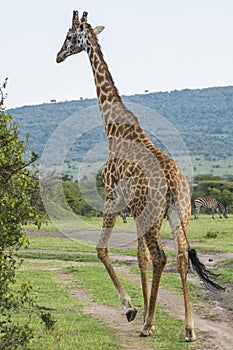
(78, 37)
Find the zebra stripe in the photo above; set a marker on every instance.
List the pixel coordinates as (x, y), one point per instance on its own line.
(210, 203)
(124, 214)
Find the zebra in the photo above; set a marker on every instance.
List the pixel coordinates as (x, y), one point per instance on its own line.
(124, 213)
(210, 203)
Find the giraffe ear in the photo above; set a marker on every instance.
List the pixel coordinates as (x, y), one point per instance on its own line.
(98, 30)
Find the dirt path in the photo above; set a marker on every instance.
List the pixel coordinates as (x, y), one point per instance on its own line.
(214, 321)
(216, 324)
(127, 333)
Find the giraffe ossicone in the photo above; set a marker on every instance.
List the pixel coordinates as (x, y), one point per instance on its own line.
(140, 176)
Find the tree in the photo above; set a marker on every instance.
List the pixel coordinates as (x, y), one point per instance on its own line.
(225, 196)
(208, 185)
(206, 177)
(17, 186)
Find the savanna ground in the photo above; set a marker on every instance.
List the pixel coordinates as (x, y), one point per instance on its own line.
(80, 307)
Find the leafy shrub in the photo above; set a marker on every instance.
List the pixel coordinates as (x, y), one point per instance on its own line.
(16, 188)
(212, 234)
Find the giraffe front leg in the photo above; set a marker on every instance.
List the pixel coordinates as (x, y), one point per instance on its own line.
(102, 251)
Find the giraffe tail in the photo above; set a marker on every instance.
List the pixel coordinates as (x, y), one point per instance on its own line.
(206, 276)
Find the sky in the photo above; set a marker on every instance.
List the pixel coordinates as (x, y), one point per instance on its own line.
(154, 45)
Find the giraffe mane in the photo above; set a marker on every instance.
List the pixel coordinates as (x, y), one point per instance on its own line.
(95, 42)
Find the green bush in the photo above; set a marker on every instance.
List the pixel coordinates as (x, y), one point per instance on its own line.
(211, 234)
(16, 191)
(208, 185)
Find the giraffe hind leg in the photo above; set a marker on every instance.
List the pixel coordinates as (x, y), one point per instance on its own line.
(182, 267)
(158, 261)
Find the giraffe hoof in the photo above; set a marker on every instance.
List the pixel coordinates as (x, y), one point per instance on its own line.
(143, 334)
(190, 337)
(148, 332)
(131, 314)
(188, 340)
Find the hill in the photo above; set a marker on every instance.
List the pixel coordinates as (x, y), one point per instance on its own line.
(199, 121)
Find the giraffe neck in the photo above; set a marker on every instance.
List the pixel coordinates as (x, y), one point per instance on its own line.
(113, 110)
(105, 87)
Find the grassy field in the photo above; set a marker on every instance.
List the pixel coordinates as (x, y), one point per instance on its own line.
(73, 328)
(214, 234)
(218, 166)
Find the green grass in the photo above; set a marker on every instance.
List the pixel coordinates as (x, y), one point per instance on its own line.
(204, 166)
(58, 256)
(73, 329)
(199, 230)
(221, 229)
(68, 245)
(92, 277)
(57, 243)
(77, 222)
(225, 270)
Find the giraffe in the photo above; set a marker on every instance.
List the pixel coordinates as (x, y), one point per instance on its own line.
(139, 176)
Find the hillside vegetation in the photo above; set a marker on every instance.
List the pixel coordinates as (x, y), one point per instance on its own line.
(202, 119)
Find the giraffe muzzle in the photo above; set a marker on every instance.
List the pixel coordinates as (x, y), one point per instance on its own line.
(60, 57)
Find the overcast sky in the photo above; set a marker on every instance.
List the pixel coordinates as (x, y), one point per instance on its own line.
(155, 45)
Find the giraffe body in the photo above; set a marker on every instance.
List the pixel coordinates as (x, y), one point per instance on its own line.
(139, 176)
